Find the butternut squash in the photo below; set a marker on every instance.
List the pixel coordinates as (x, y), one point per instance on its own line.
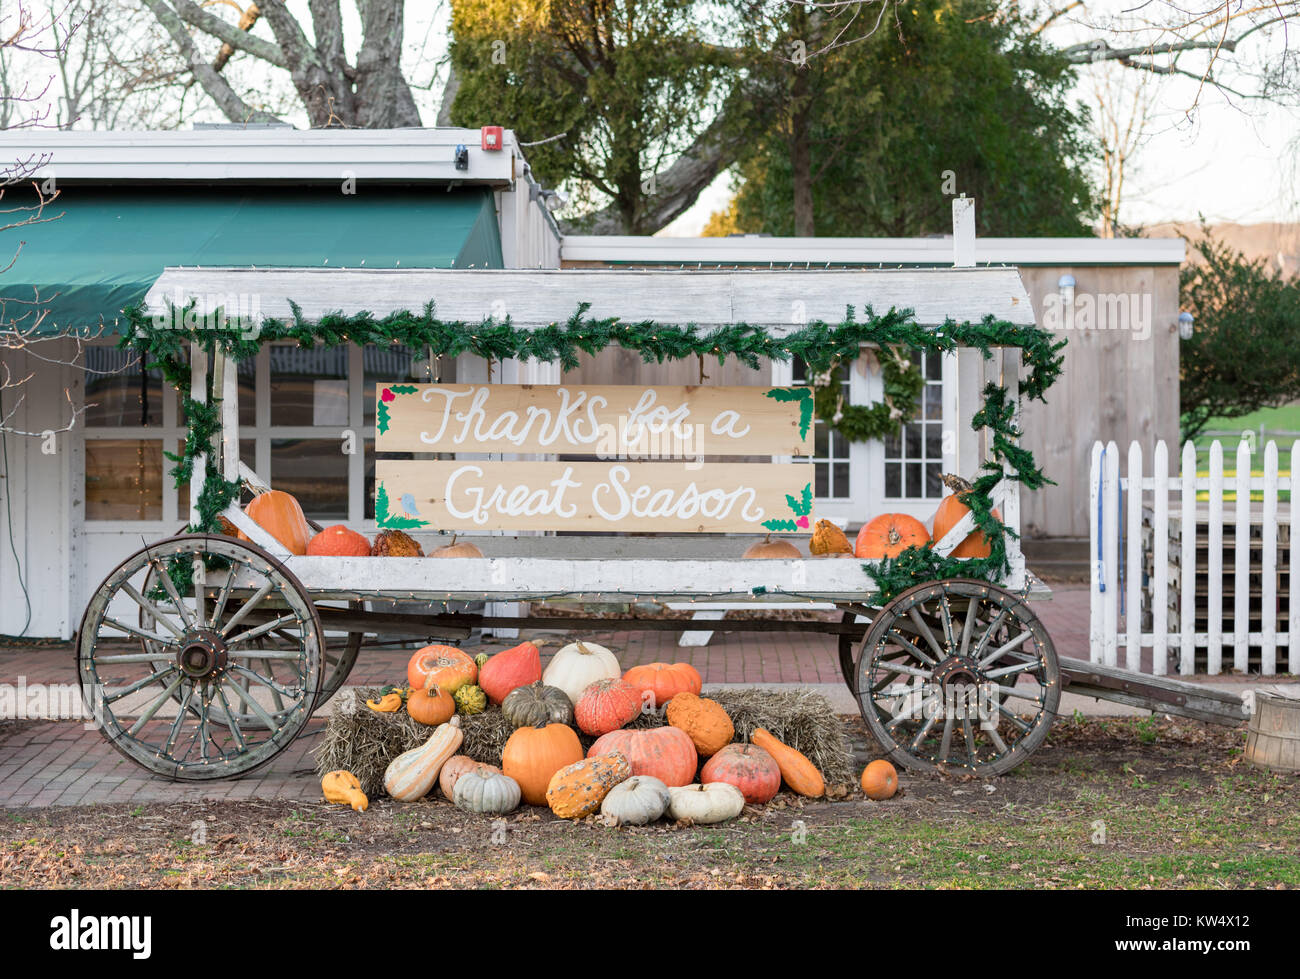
(342, 786)
(799, 773)
(411, 774)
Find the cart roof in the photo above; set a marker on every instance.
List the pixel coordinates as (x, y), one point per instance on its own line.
(777, 300)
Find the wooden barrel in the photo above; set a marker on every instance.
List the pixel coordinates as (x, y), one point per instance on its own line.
(1273, 733)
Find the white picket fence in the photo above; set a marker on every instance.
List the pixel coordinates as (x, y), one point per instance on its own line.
(1131, 517)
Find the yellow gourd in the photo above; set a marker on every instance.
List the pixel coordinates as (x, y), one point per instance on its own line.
(342, 787)
(386, 704)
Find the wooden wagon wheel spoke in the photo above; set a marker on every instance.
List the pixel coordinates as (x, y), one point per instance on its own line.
(953, 713)
(191, 706)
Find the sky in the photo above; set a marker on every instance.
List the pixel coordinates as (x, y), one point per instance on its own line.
(1206, 153)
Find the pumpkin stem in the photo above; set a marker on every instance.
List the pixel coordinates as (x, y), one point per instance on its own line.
(955, 483)
(894, 535)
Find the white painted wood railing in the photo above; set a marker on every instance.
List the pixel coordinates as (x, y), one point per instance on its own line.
(1158, 581)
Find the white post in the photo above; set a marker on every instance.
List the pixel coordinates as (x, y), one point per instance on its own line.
(229, 418)
(199, 392)
(1095, 567)
(1241, 559)
(1133, 562)
(1187, 565)
(1160, 558)
(1214, 611)
(1268, 594)
(963, 232)
(1110, 555)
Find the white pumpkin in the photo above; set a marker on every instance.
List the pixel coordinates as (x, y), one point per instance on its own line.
(578, 665)
(713, 803)
(487, 792)
(641, 799)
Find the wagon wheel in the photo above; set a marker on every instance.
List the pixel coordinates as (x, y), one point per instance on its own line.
(848, 666)
(170, 698)
(958, 675)
(340, 651)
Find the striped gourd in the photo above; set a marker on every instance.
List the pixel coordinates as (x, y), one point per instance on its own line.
(411, 774)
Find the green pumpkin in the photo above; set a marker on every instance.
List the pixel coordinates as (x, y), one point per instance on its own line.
(537, 705)
(481, 660)
(487, 792)
(470, 699)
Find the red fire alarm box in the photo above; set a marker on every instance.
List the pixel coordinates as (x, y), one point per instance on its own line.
(492, 137)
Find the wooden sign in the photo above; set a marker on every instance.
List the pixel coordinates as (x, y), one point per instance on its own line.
(593, 496)
(606, 421)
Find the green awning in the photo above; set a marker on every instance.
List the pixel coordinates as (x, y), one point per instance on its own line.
(109, 245)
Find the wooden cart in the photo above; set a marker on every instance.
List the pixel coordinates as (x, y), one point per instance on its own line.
(214, 678)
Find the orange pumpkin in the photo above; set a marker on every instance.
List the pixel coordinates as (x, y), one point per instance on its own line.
(768, 548)
(448, 667)
(454, 549)
(606, 705)
(828, 539)
(951, 510)
(889, 535)
(704, 721)
(509, 669)
(279, 515)
(664, 681)
(664, 752)
(747, 767)
(338, 541)
(430, 704)
(799, 773)
(534, 754)
(879, 780)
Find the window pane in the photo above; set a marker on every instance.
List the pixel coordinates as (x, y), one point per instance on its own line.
(309, 387)
(933, 484)
(316, 472)
(840, 485)
(118, 392)
(912, 484)
(124, 479)
(933, 366)
(913, 434)
(823, 479)
(893, 479)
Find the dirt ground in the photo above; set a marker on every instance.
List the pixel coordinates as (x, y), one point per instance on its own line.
(1105, 803)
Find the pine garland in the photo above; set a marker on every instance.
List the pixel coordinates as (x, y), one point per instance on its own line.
(160, 343)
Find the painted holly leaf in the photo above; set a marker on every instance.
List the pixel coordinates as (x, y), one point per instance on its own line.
(403, 388)
(804, 396)
(381, 418)
(803, 506)
(776, 525)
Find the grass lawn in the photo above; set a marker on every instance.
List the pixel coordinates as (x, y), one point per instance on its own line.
(1285, 419)
(1138, 803)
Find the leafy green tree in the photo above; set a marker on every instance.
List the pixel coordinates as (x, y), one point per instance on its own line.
(954, 97)
(631, 85)
(1243, 354)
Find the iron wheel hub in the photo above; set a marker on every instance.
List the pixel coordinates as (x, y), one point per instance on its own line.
(203, 653)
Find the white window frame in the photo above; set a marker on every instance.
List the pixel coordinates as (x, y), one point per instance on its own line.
(867, 459)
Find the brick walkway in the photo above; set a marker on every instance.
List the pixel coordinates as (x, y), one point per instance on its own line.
(61, 763)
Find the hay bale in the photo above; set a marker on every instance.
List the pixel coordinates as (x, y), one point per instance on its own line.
(364, 741)
(801, 718)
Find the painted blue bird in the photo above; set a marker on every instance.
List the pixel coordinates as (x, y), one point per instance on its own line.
(408, 504)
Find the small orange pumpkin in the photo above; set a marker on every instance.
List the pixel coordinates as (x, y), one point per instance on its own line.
(454, 549)
(768, 548)
(449, 667)
(338, 541)
(664, 681)
(889, 535)
(279, 514)
(951, 510)
(430, 704)
(879, 780)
